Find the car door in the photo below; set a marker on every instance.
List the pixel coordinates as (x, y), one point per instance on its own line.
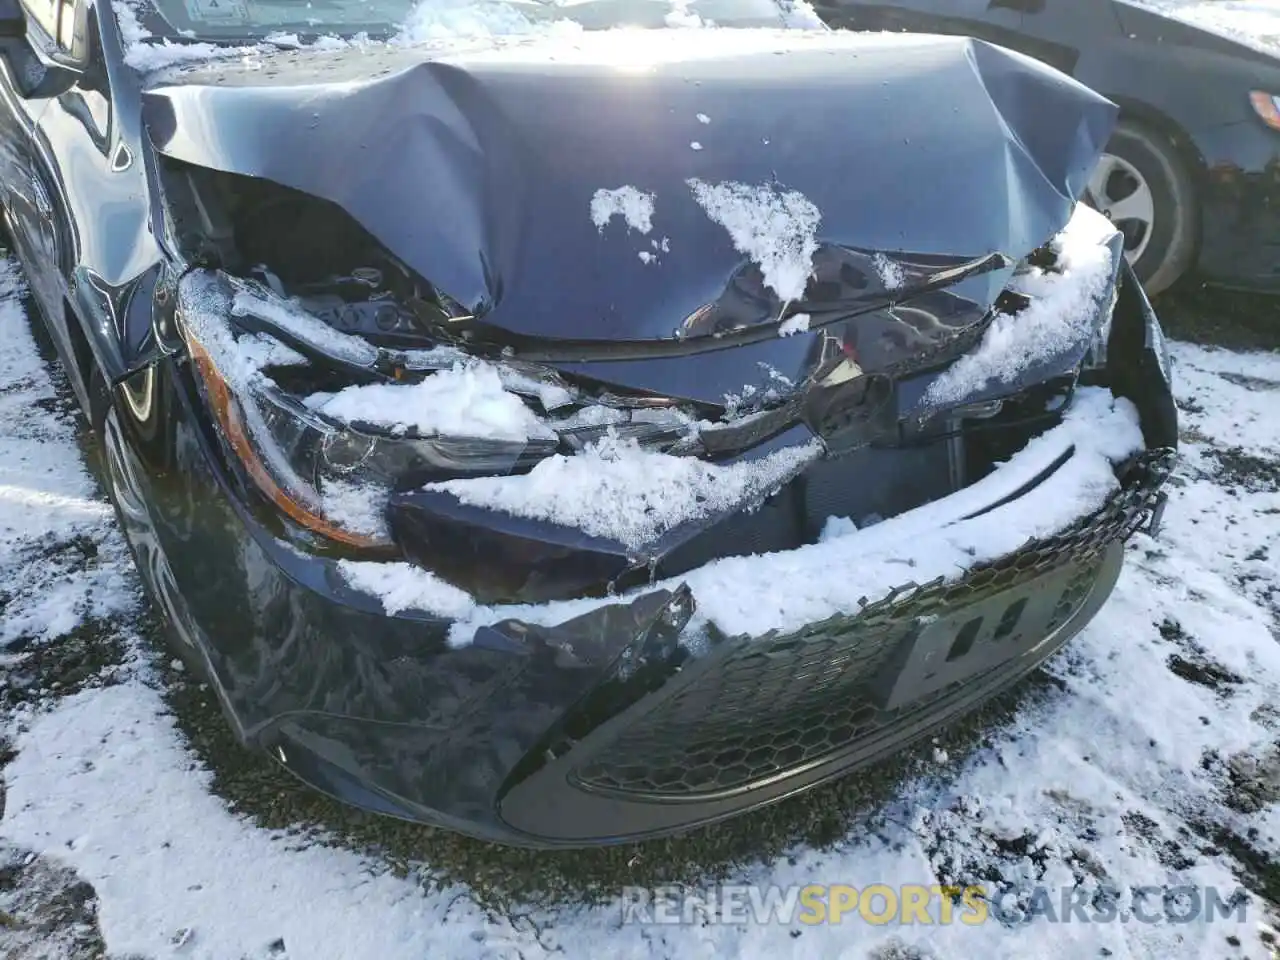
(1063, 33)
(85, 214)
(25, 196)
(1048, 30)
(994, 20)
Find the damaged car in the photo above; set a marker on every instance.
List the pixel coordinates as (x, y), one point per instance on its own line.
(573, 432)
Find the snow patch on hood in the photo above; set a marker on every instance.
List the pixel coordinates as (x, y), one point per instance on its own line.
(776, 228)
(1060, 316)
(634, 206)
(798, 323)
(892, 275)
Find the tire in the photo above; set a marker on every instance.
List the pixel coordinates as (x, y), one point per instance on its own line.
(1143, 184)
(124, 484)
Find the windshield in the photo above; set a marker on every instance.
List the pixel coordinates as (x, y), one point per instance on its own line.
(230, 20)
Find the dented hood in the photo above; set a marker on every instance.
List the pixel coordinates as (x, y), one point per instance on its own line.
(477, 166)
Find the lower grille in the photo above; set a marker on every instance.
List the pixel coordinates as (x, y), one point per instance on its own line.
(776, 703)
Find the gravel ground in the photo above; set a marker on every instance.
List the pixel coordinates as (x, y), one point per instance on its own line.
(1198, 313)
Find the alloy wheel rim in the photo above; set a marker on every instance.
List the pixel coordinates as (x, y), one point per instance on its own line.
(1124, 197)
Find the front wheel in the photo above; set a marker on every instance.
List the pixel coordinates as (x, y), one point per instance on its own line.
(1143, 186)
(129, 488)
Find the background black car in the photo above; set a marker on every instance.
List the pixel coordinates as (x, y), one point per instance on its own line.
(1192, 175)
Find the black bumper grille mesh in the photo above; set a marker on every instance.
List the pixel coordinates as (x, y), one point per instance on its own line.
(780, 702)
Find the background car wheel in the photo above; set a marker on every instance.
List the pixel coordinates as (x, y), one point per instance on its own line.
(1143, 185)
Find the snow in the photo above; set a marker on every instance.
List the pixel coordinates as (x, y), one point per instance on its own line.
(1061, 314)
(1105, 777)
(147, 54)
(800, 15)
(634, 207)
(361, 507)
(204, 306)
(402, 586)
(891, 272)
(427, 22)
(61, 561)
(681, 16)
(494, 29)
(455, 20)
(1252, 22)
(195, 872)
(740, 594)
(549, 392)
(616, 489)
(261, 351)
(468, 400)
(241, 359)
(776, 228)
(797, 323)
(294, 320)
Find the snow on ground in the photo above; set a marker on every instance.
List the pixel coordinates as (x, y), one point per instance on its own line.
(1255, 22)
(62, 564)
(1152, 763)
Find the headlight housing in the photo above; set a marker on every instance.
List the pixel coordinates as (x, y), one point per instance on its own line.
(329, 468)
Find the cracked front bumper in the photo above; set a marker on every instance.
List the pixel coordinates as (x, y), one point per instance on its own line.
(586, 742)
(606, 727)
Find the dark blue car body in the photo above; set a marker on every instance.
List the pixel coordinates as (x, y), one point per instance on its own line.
(470, 171)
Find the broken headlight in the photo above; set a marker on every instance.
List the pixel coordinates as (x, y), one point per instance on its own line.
(327, 475)
(329, 458)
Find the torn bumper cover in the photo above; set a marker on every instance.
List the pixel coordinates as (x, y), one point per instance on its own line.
(888, 490)
(605, 729)
(601, 721)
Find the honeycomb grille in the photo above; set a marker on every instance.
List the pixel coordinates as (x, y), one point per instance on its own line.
(783, 701)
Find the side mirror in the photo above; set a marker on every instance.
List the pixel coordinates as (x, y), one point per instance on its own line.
(13, 19)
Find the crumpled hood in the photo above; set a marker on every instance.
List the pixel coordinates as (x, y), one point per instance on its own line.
(477, 166)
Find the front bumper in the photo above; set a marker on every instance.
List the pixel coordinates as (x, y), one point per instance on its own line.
(604, 728)
(656, 743)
